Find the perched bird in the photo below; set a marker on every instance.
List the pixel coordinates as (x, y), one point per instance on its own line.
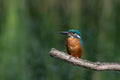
(74, 43)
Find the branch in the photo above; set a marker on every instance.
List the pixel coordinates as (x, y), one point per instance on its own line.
(98, 66)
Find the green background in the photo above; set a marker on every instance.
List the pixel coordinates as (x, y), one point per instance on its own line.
(30, 28)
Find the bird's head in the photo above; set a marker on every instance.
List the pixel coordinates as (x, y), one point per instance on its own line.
(72, 33)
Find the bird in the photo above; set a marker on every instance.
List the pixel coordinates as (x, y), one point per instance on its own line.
(74, 43)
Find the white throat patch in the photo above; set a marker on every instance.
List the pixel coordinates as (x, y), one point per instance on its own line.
(78, 36)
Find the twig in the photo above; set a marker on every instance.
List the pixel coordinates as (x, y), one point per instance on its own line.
(98, 66)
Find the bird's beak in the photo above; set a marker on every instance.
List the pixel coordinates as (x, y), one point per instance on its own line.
(64, 32)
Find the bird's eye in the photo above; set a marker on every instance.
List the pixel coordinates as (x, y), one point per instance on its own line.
(71, 32)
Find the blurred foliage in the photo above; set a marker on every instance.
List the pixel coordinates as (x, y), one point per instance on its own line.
(30, 28)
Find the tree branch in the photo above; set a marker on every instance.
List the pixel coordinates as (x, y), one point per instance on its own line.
(98, 66)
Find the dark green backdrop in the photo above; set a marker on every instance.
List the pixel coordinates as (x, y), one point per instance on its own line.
(30, 28)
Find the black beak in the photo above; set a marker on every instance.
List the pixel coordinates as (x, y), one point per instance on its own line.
(64, 32)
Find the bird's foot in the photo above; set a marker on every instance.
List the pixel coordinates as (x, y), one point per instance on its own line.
(77, 57)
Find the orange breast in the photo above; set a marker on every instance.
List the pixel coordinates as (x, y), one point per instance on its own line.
(74, 47)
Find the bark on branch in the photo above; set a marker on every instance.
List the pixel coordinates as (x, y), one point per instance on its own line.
(98, 66)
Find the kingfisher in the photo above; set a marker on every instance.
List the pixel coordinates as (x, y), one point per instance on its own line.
(74, 43)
